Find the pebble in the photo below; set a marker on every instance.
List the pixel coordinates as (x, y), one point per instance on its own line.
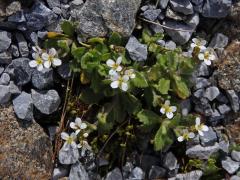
(5, 40)
(68, 155)
(219, 40)
(4, 79)
(209, 138)
(182, 6)
(229, 165)
(78, 172)
(235, 155)
(234, 100)
(5, 94)
(211, 93)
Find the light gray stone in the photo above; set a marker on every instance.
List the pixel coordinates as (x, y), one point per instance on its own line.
(22, 45)
(186, 107)
(137, 174)
(229, 165)
(170, 45)
(211, 93)
(64, 71)
(163, 3)
(193, 175)
(14, 89)
(209, 138)
(182, 6)
(114, 174)
(68, 155)
(152, 14)
(219, 40)
(224, 146)
(203, 70)
(14, 50)
(170, 161)
(235, 155)
(42, 79)
(5, 58)
(234, 100)
(157, 172)
(201, 83)
(59, 172)
(5, 94)
(193, 20)
(235, 177)
(224, 109)
(4, 79)
(5, 40)
(78, 172)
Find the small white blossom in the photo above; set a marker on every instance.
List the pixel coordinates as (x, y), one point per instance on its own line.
(186, 136)
(130, 73)
(119, 81)
(84, 146)
(115, 66)
(69, 140)
(168, 110)
(200, 127)
(207, 56)
(38, 61)
(50, 58)
(78, 125)
(199, 44)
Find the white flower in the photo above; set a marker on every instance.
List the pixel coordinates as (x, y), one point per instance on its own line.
(84, 146)
(38, 61)
(199, 44)
(200, 127)
(207, 56)
(115, 66)
(78, 125)
(119, 81)
(186, 136)
(130, 73)
(69, 140)
(50, 58)
(168, 110)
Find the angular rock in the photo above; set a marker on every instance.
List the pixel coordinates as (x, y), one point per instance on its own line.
(60, 172)
(209, 138)
(46, 102)
(193, 175)
(215, 118)
(114, 174)
(26, 151)
(211, 93)
(216, 8)
(224, 109)
(23, 106)
(68, 155)
(193, 20)
(78, 172)
(8, 8)
(219, 40)
(152, 14)
(22, 45)
(137, 174)
(14, 89)
(174, 15)
(163, 3)
(4, 79)
(5, 40)
(234, 100)
(203, 70)
(5, 94)
(235, 155)
(182, 6)
(1, 70)
(170, 45)
(235, 177)
(170, 161)
(201, 152)
(5, 58)
(127, 169)
(229, 165)
(201, 83)
(136, 50)
(64, 71)
(157, 172)
(42, 79)
(224, 146)
(53, 3)
(186, 107)
(52, 130)
(15, 51)
(199, 93)
(17, 17)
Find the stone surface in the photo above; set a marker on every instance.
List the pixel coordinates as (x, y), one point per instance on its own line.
(193, 175)
(23, 106)
(14, 89)
(114, 174)
(156, 172)
(5, 40)
(5, 57)
(182, 6)
(211, 93)
(15, 51)
(136, 50)
(78, 172)
(8, 8)
(235, 155)
(68, 155)
(5, 94)
(163, 3)
(46, 102)
(22, 45)
(229, 165)
(234, 100)
(235, 177)
(201, 83)
(170, 45)
(224, 109)
(186, 107)
(209, 138)
(4, 79)
(59, 172)
(219, 40)
(137, 174)
(170, 161)
(42, 79)
(64, 71)
(152, 14)
(26, 151)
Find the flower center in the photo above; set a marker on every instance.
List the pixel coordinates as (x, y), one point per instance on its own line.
(115, 66)
(39, 60)
(167, 108)
(50, 58)
(69, 140)
(206, 55)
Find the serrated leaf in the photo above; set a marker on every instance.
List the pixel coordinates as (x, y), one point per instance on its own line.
(140, 81)
(96, 40)
(148, 117)
(77, 53)
(163, 86)
(115, 39)
(162, 140)
(181, 88)
(67, 28)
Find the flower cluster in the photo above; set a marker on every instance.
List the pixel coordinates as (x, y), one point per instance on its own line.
(119, 75)
(79, 135)
(198, 46)
(44, 59)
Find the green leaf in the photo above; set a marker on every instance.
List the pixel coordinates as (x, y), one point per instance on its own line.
(89, 97)
(163, 86)
(68, 28)
(131, 104)
(103, 125)
(181, 88)
(146, 36)
(78, 52)
(140, 81)
(64, 45)
(115, 39)
(148, 117)
(96, 40)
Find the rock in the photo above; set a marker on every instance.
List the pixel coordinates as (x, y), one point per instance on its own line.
(170, 161)
(163, 3)
(64, 71)
(224, 109)
(229, 165)
(224, 146)
(17, 17)
(216, 8)
(211, 93)
(5, 58)
(235, 155)
(234, 100)
(22, 45)
(152, 14)
(170, 45)
(209, 138)
(5, 94)
(203, 107)
(235, 177)
(15, 51)
(78, 172)
(136, 50)
(14, 89)
(4, 79)
(26, 151)
(39, 16)
(68, 155)
(199, 93)
(114, 174)
(46, 102)
(156, 28)
(219, 40)
(203, 70)
(23, 106)
(42, 79)
(201, 83)
(161, 42)
(5, 40)
(186, 107)
(178, 31)
(53, 3)
(157, 172)
(222, 98)
(8, 8)
(201, 152)
(174, 15)
(215, 118)
(33, 38)
(59, 172)
(193, 20)
(52, 130)
(1, 70)
(20, 71)
(182, 6)
(193, 175)
(137, 174)
(127, 169)
(96, 17)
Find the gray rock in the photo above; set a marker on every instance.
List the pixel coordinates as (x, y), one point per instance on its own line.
(209, 138)
(201, 152)
(174, 15)
(215, 118)
(5, 40)
(156, 172)
(114, 174)
(52, 130)
(57, 10)
(219, 40)
(42, 34)
(15, 51)
(39, 16)
(163, 3)
(1, 70)
(222, 98)
(78, 172)
(170, 161)
(4, 79)
(5, 57)
(235, 155)
(229, 165)
(34, 38)
(155, 28)
(234, 100)
(20, 71)
(182, 6)
(211, 93)
(127, 169)
(161, 42)
(152, 14)
(216, 8)
(224, 109)
(5, 94)
(199, 93)
(170, 45)
(14, 89)
(224, 146)
(203, 107)
(68, 155)
(59, 172)
(196, 2)
(193, 20)
(178, 31)
(53, 3)
(46, 102)
(22, 45)
(203, 70)
(235, 177)
(17, 17)
(201, 83)
(42, 79)
(186, 107)
(193, 175)
(64, 71)
(23, 106)
(137, 174)
(136, 50)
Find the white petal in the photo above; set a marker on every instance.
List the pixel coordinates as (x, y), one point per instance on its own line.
(45, 56)
(112, 72)
(197, 121)
(77, 131)
(212, 57)
(35, 55)
(162, 110)
(202, 48)
(86, 145)
(207, 62)
(79, 146)
(195, 40)
(193, 45)
(83, 126)
(74, 145)
(200, 133)
(73, 135)
(173, 108)
(201, 56)
(110, 63)
(204, 128)
(73, 125)
(115, 84)
(167, 103)
(124, 86)
(169, 115)
(66, 146)
(180, 139)
(78, 121)
(33, 64)
(133, 76)
(191, 135)
(85, 135)
(57, 62)
(203, 42)
(34, 48)
(64, 135)
(47, 64)
(119, 68)
(52, 52)
(125, 78)
(119, 60)
(40, 67)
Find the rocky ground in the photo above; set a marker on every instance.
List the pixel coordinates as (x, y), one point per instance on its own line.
(30, 98)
